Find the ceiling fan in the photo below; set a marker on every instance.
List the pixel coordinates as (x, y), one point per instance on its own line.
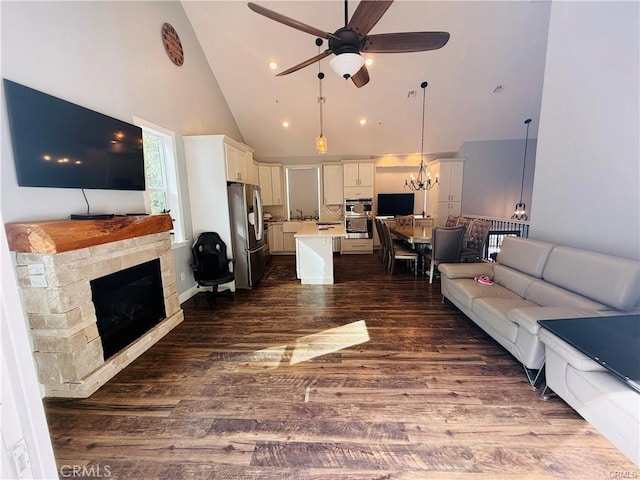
(347, 42)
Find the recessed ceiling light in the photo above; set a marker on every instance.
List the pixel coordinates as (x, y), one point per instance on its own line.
(285, 124)
(363, 121)
(368, 62)
(273, 65)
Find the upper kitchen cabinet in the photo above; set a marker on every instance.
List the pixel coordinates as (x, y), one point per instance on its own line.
(358, 179)
(270, 183)
(446, 197)
(253, 175)
(332, 188)
(239, 161)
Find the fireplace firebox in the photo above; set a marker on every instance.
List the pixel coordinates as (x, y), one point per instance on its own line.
(128, 304)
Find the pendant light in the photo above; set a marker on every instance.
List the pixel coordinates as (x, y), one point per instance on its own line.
(321, 141)
(520, 212)
(423, 181)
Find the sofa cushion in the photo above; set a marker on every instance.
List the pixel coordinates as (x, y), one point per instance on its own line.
(527, 317)
(548, 295)
(494, 312)
(512, 279)
(611, 280)
(465, 290)
(572, 356)
(526, 255)
(466, 270)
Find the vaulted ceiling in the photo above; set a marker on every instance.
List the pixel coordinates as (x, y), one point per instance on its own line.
(481, 85)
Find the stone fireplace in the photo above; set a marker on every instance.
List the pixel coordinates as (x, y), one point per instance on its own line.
(57, 263)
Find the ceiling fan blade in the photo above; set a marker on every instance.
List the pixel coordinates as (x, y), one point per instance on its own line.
(361, 78)
(306, 63)
(367, 15)
(278, 17)
(405, 42)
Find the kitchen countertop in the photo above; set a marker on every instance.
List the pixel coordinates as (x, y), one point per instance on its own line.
(311, 229)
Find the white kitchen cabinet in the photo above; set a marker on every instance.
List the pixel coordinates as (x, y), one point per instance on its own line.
(271, 183)
(253, 176)
(238, 158)
(276, 238)
(358, 179)
(235, 161)
(356, 245)
(445, 198)
(289, 242)
(289, 229)
(205, 158)
(332, 187)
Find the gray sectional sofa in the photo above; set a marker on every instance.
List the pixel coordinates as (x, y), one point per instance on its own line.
(536, 280)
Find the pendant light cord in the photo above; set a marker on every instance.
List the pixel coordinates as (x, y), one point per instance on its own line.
(424, 103)
(524, 161)
(321, 101)
(320, 98)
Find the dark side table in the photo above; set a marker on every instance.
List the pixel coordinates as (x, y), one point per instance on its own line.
(613, 342)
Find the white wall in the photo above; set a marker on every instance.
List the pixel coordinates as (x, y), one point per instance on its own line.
(21, 409)
(106, 56)
(586, 187)
(109, 57)
(493, 175)
(391, 180)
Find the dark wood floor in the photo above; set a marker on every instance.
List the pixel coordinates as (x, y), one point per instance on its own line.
(370, 378)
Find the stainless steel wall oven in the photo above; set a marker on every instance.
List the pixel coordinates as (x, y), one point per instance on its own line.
(358, 217)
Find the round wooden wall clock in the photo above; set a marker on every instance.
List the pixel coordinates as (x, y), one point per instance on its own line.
(172, 44)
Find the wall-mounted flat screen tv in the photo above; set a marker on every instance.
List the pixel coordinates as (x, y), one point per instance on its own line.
(392, 204)
(59, 144)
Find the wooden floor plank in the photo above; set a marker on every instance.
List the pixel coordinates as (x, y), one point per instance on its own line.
(373, 377)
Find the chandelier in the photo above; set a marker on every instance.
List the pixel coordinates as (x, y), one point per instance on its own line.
(520, 212)
(423, 181)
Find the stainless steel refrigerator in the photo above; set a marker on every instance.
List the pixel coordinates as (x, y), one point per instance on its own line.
(248, 235)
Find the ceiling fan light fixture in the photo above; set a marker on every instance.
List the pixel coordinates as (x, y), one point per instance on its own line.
(347, 64)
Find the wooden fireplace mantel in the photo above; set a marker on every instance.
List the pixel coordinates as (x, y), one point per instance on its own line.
(56, 236)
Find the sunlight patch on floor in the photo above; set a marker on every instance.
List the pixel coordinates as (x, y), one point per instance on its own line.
(309, 346)
(329, 341)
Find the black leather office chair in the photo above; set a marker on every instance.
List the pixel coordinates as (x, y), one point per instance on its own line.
(211, 267)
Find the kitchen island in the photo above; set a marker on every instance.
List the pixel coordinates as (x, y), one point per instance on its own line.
(314, 252)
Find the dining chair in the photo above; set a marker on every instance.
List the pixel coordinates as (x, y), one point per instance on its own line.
(405, 220)
(383, 245)
(478, 233)
(446, 247)
(464, 221)
(451, 221)
(397, 251)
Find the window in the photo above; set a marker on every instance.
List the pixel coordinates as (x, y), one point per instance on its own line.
(303, 187)
(162, 193)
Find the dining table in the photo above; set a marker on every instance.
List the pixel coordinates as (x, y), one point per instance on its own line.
(418, 238)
